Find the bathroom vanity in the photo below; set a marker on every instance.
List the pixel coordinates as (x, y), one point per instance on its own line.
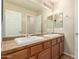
(49, 48)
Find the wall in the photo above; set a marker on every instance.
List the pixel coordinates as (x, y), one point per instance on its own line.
(67, 7)
(69, 26)
(23, 11)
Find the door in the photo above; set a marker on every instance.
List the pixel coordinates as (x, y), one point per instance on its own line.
(76, 29)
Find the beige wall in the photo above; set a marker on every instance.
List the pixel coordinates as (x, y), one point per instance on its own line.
(23, 11)
(69, 26)
(67, 7)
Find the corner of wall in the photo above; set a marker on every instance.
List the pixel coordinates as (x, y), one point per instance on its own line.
(69, 54)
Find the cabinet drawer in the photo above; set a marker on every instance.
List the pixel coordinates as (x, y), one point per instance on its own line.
(62, 38)
(18, 55)
(47, 44)
(36, 49)
(59, 40)
(54, 41)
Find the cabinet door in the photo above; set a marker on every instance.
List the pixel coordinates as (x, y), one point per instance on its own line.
(33, 57)
(61, 48)
(23, 54)
(3, 57)
(36, 49)
(47, 44)
(46, 54)
(55, 51)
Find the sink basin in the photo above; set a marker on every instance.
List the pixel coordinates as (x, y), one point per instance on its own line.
(28, 40)
(52, 35)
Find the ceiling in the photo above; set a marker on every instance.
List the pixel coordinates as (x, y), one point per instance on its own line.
(35, 5)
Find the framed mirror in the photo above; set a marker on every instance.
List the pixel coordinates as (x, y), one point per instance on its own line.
(12, 22)
(21, 20)
(55, 23)
(58, 23)
(50, 24)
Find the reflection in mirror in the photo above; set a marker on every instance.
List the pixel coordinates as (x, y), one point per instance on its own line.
(12, 23)
(55, 23)
(31, 17)
(30, 24)
(50, 24)
(58, 23)
(38, 24)
(22, 19)
(34, 25)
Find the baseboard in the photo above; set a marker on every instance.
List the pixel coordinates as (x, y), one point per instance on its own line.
(69, 54)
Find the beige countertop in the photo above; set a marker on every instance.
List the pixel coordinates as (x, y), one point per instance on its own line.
(11, 46)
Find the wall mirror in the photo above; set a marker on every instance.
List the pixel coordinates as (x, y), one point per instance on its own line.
(29, 18)
(55, 23)
(12, 22)
(50, 24)
(21, 18)
(34, 25)
(58, 23)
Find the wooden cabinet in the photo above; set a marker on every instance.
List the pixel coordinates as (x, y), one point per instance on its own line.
(55, 51)
(23, 54)
(51, 49)
(46, 54)
(36, 49)
(54, 42)
(59, 40)
(61, 48)
(47, 44)
(33, 57)
(3, 57)
(57, 47)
